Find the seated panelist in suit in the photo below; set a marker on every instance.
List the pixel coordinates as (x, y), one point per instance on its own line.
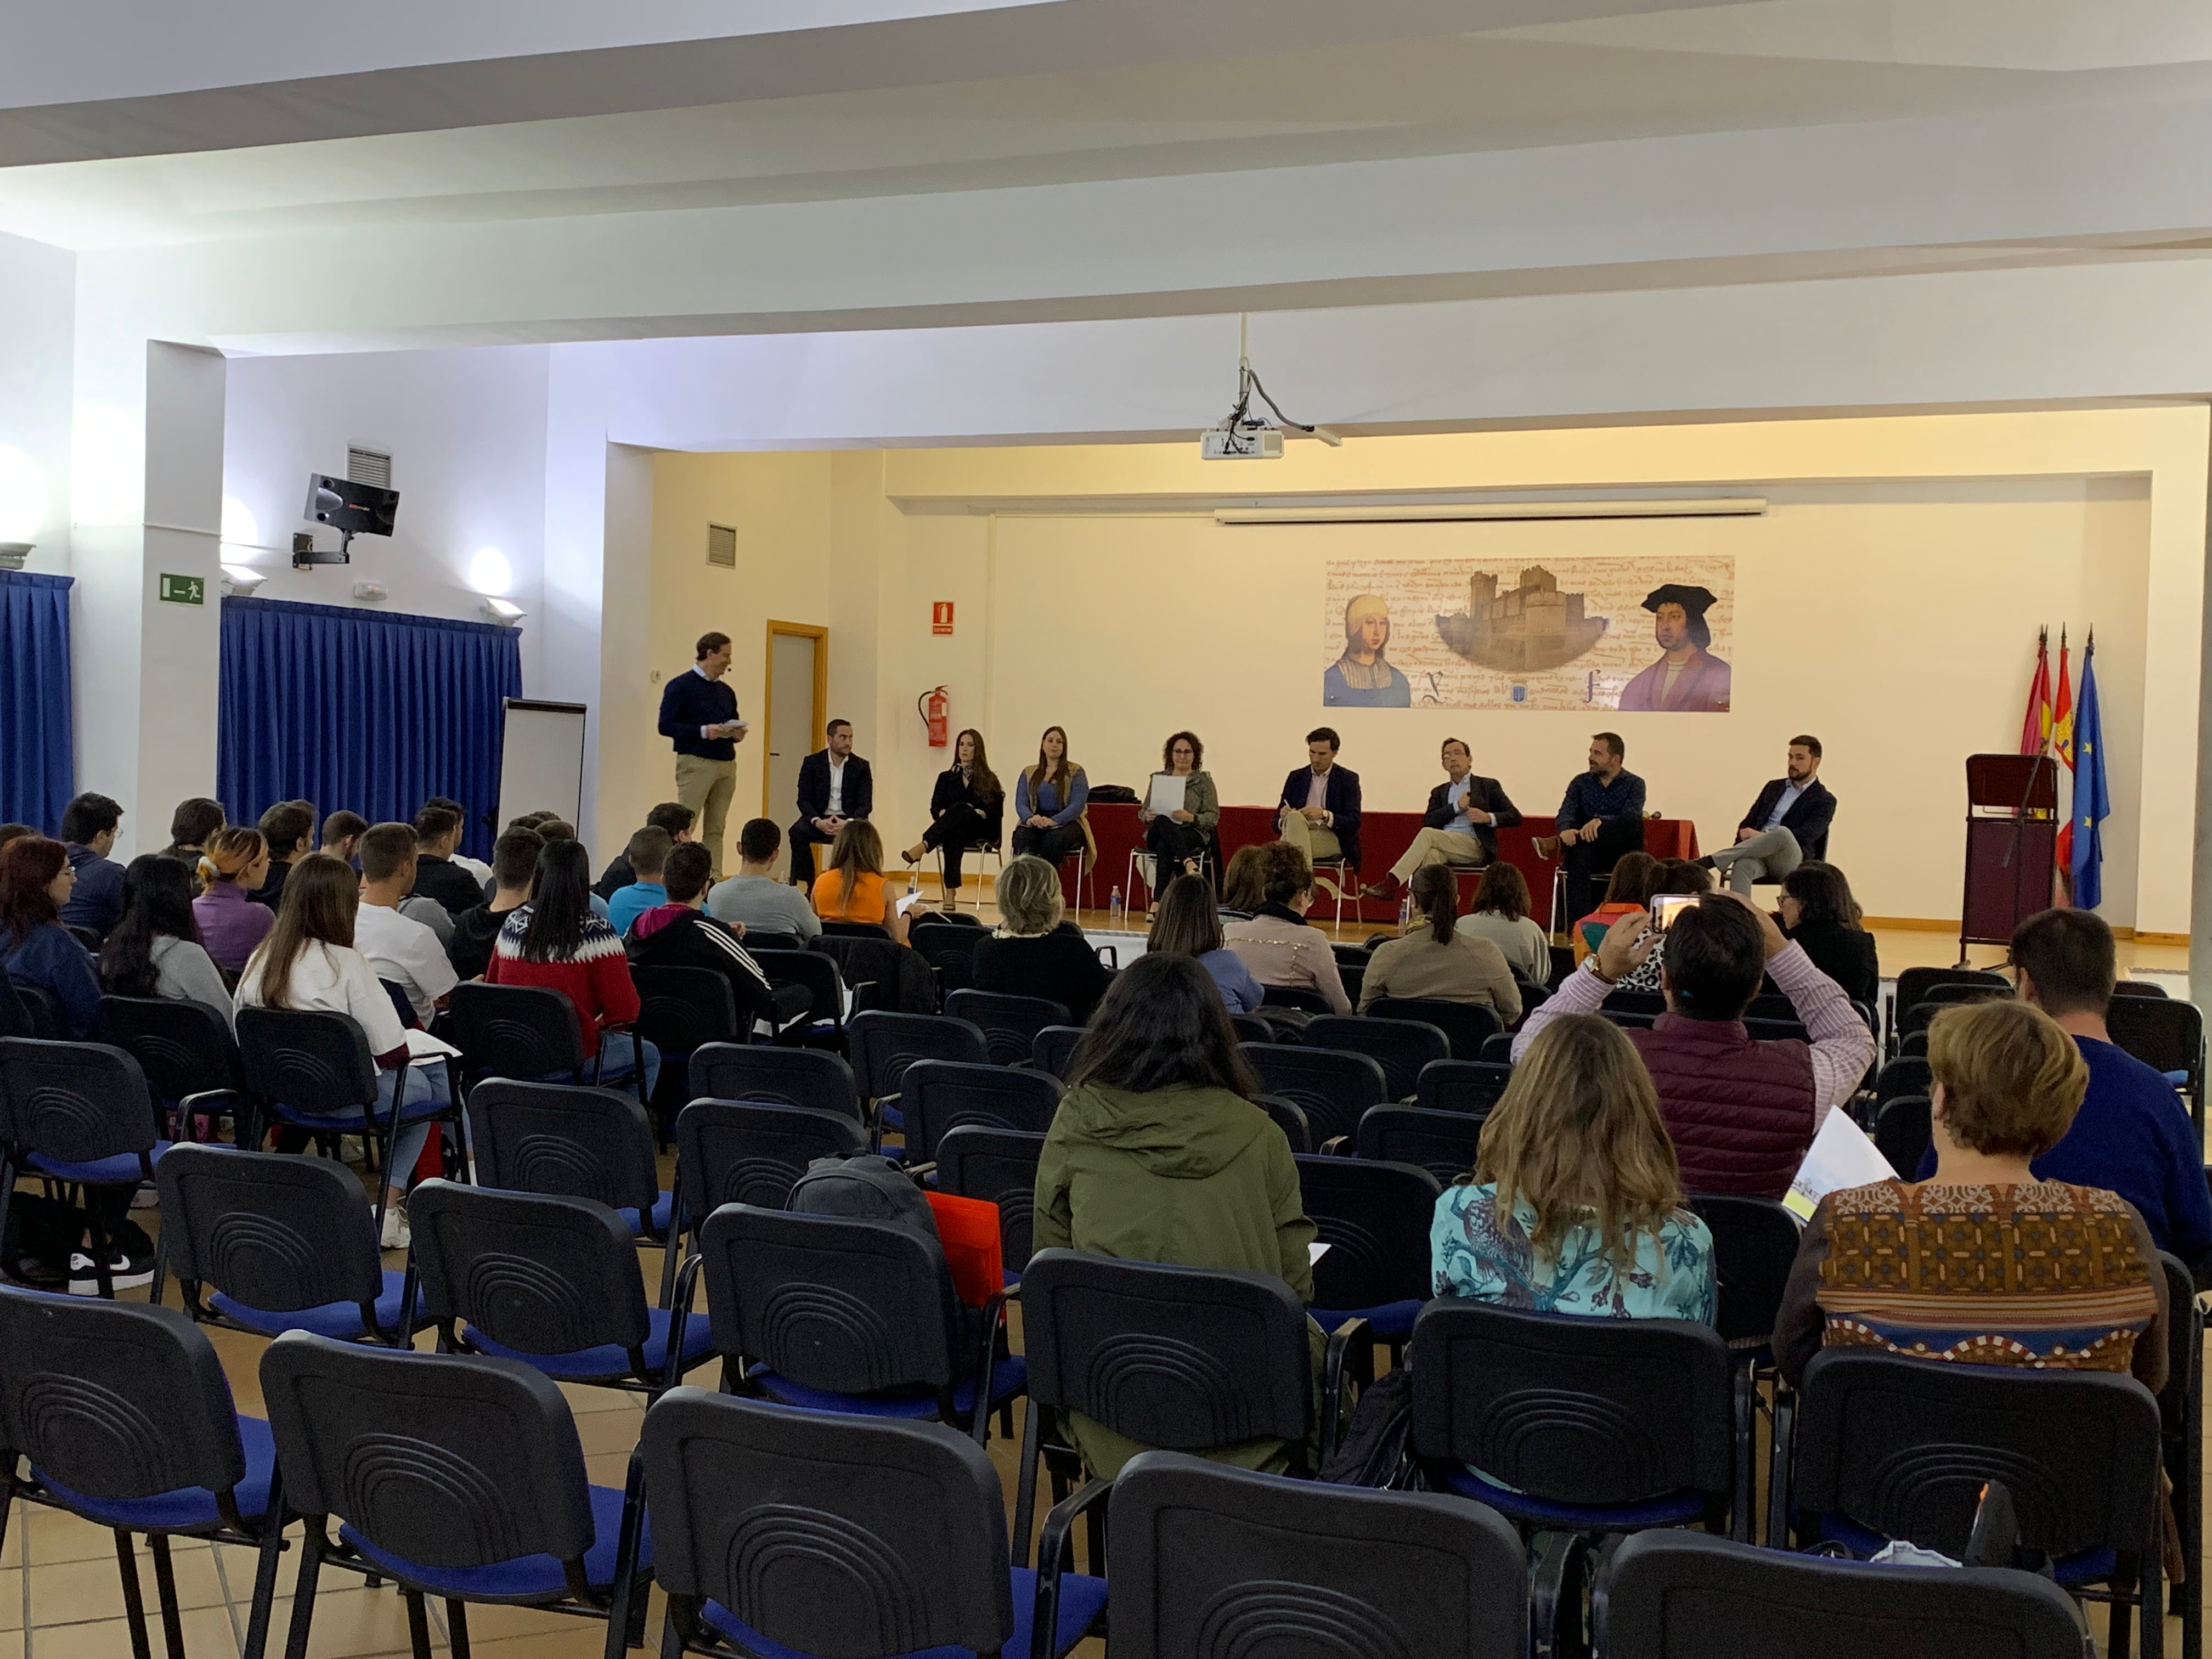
(1786, 825)
(1319, 813)
(834, 784)
(1459, 827)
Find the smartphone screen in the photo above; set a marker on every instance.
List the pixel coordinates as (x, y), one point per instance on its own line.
(1667, 906)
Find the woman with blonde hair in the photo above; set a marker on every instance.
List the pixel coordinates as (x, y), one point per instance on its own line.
(232, 867)
(1033, 952)
(1576, 1202)
(1277, 943)
(1049, 802)
(851, 885)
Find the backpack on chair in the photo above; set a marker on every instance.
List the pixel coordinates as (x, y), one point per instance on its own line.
(869, 1187)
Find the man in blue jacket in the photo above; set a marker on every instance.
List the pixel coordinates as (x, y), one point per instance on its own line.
(89, 825)
(699, 716)
(1319, 813)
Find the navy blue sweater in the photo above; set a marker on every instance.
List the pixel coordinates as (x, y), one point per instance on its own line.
(50, 958)
(690, 700)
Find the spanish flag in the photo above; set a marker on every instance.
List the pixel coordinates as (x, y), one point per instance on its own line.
(2035, 727)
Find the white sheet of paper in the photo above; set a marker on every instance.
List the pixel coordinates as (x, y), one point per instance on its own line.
(1315, 1251)
(1840, 1156)
(1167, 793)
(907, 901)
(421, 1045)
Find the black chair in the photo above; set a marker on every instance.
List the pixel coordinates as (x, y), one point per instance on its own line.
(1903, 1131)
(186, 1050)
(77, 1112)
(1879, 1447)
(949, 949)
(1400, 1046)
(823, 1025)
(1332, 1087)
(1678, 1596)
(16, 1019)
(758, 940)
(125, 1418)
(1653, 1003)
(853, 930)
(1054, 1050)
(1300, 1567)
(883, 1044)
(1180, 1359)
(1443, 1143)
(879, 972)
(1473, 1086)
(550, 1282)
(1754, 1246)
(2181, 1430)
(2167, 1036)
(812, 1078)
(1375, 1218)
(780, 1532)
(831, 1314)
(459, 1477)
(1913, 1045)
(1251, 1028)
(1010, 1024)
(1629, 1022)
(1922, 1015)
(1908, 1075)
(937, 1096)
(1498, 1050)
(1913, 985)
(1465, 1025)
(2138, 987)
(38, 1008)
(1292, 996)
(1945, 996)
(752, 1151)
(999, 1166)
(683, 1009)
(518, 1031)
(1776, 1030)
(267, 1242)
(1290, 1118)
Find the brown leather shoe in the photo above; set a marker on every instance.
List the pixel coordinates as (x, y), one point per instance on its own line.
(1548, 847)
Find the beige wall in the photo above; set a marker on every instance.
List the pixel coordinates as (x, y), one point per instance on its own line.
(1887, 601)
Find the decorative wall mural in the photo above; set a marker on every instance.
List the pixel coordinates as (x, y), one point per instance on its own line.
(1638, 634)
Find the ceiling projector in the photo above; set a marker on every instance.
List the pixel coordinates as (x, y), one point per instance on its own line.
(1242, 435)
(1245, 440)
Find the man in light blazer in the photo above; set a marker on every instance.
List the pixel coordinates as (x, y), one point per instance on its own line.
(1461, 826)
(834, 784)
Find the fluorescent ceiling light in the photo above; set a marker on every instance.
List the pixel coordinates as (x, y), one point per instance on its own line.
(1710, 507)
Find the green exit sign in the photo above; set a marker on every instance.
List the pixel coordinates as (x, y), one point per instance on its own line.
(182, 590)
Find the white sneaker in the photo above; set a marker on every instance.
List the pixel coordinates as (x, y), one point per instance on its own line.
(397, 1235)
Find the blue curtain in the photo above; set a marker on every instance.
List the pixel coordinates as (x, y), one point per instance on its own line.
(362, 709)
(37, 765)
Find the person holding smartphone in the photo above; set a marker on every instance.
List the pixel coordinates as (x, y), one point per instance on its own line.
(1678, 882)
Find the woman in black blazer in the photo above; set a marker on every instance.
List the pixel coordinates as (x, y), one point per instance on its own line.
(968, 808)
(1819, 913)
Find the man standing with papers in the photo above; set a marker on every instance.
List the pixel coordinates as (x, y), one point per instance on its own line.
(1180, 810)
(699, 717)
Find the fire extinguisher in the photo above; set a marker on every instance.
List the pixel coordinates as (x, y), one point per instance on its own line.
(935, 708)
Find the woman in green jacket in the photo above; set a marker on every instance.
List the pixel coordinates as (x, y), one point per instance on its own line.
(1157, 1154)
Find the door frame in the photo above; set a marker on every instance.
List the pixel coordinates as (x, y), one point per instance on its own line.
(821, 690)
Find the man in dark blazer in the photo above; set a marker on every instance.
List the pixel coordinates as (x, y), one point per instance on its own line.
(1459, 827)
(1319, 809)
(834, 784)
(1786, 825)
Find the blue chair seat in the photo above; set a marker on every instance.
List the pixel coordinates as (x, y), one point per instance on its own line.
(892, 1117)
(1082, 1598)
(662, 1206)
(188, 1508)
(605, 1361)
(1009, 1376)
(2083, 1567)
(1668, 1509)
(1390, 1320)
(526, 1577)
(96, 1172)
(340, 1321)
(353, 1123)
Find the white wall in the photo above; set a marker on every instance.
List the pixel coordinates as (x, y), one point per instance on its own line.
(38, 303)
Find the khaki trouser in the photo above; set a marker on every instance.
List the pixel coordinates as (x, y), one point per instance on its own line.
(1316, 840)
(1439, 847)
(705, 786)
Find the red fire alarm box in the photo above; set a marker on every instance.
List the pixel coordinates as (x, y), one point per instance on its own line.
(940, 616)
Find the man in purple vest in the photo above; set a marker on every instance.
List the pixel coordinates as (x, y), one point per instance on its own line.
(1741, 1112)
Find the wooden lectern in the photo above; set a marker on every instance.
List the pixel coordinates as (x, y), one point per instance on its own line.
(2011, 845)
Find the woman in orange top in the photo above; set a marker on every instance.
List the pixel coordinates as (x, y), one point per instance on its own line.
(1628, 889)
(851, 887)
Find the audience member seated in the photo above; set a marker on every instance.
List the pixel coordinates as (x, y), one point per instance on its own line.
(557, 940)
(1049, 802)
(232, 868)
(1626, 892)
(1031, 953)
(753, 899)
(1175, 840)
(288, 827)
(402, 951)
(648, 853)
(967, 809)
(1683, 878)
(309, 963)
(35, 948)
(2132, 1135)
(153, 950)
(1741, 1112)
(190, 828)
(479, 872)
(1819, 915)
(513, 864)
(1276, 943)
(1436, 959)
(851, 888)
(1576, 1204)
(1157, 1154)
(672, 816)
(1987, 1263)
(342, 834)
(1500, 915)
(681, 934)
(551, 827)
(1186, 924)
(11, 830)
(437, 878)
(89, 824)
(1243, 890)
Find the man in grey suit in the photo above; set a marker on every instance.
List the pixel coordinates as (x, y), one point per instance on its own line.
(1461, 825)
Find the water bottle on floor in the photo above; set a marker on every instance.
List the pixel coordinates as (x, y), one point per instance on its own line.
(1405, 912)
(1115, 912)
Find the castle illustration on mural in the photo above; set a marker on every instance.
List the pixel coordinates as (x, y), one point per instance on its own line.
(1527, 628)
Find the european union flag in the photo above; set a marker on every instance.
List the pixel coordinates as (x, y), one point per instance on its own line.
(2091, 802)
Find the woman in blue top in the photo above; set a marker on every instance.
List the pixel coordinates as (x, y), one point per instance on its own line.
(1575, 1203)
(1185, 923)
(1049, 802)
(35, 948)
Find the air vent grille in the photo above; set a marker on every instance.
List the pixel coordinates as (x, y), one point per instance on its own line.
(369, 467)
(722, 546)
